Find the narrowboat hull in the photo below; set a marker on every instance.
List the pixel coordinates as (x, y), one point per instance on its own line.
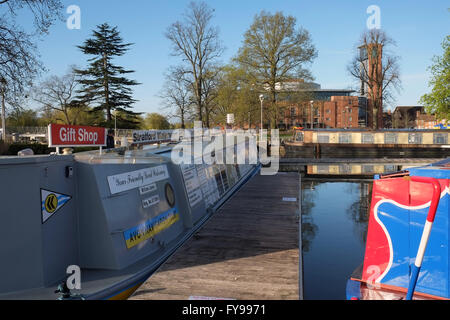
(407, 250)
(117, 216)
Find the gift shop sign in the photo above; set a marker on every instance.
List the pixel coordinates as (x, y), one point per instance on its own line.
(76, 136)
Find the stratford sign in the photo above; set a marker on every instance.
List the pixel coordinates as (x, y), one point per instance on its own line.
(152, 136)
(76, 136)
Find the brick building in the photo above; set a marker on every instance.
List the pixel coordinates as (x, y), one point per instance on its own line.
(338, 112)
(329, 108)
(414, 117)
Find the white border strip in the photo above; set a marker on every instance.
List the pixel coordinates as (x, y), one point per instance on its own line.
(391, 254)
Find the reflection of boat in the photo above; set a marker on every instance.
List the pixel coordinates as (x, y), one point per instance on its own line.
(117, 216)
(407, 250)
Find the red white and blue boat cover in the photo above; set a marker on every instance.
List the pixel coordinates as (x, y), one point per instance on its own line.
(398, 214)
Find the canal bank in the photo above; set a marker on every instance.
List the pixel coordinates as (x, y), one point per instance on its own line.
(248, 250)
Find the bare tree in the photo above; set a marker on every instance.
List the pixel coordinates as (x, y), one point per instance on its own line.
(210, 93)
(377, 69)
(19, 61)
(197, 43)
(59, 94)
(177, 95)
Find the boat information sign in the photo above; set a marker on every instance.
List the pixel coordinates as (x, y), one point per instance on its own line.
(60, 135)
(137, 179)
(192, 183)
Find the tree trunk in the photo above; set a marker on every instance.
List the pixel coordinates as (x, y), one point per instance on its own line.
(207, 118)
(106, 86)
(379, 118)
(275, 108)
(67, 118)
(183, 126)
(198, 93)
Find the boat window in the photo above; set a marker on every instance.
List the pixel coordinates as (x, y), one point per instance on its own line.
(390, 168)
(367, 138)
(170, 195)
(415, 138)
(225, 179)
(440, 138)
(299, 136)
(218, 178)
(345, 138)
(323, 138)
(323, 169)
(345, 169)
(390, 138)
(367, 169)
(238, 172)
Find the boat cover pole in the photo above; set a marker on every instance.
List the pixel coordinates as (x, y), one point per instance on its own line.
(426, 231)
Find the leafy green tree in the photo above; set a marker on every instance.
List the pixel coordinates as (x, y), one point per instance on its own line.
(104, 83)
(438, 101)
(22, 118)
(126, 121)
(156, 121)
(236, 94)
(274, 51)
(82, 116)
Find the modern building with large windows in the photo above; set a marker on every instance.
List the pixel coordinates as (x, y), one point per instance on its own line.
(308, 105)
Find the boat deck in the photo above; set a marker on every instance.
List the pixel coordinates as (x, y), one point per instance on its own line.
(248, 250)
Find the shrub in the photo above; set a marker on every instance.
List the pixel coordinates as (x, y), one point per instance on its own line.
(36, 147)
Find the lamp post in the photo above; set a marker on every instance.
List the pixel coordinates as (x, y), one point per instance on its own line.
(115, 127)
(261, 98)
(312, 116)
(3, 89)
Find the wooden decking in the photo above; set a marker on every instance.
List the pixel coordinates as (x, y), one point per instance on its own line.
(247, 250)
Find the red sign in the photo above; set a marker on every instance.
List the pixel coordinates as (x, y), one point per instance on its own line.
(60, 135)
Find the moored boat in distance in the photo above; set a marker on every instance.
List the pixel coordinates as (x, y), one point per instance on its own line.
(110, 218)
(407, 248)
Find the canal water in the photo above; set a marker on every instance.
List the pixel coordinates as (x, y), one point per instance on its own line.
(335, 219)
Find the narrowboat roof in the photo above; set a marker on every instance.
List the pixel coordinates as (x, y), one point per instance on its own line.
(368, 130)
(438, 170)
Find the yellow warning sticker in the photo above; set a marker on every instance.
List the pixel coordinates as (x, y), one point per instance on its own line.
(51, 203)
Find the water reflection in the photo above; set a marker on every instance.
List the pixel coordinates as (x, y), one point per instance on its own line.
(309, 229)
(335, 218)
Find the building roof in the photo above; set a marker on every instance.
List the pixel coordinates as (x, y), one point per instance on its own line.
(409, 107)
(332, 90)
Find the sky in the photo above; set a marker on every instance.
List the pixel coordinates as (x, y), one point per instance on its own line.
(418, 28)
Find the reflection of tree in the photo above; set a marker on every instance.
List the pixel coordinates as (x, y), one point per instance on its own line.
(309, 229)
(359, 210)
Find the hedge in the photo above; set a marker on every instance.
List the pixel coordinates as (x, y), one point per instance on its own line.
(38, 149)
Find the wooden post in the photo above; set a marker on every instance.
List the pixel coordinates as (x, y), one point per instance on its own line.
(300, 242)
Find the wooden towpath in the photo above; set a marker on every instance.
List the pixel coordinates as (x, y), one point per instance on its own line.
(247, 250)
